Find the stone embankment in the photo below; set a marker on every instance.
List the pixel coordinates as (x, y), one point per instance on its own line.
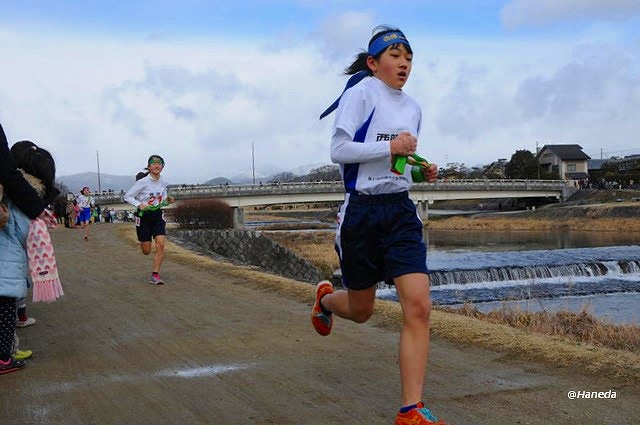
(252, 248)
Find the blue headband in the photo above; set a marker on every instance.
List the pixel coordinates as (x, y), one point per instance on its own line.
(386, 40)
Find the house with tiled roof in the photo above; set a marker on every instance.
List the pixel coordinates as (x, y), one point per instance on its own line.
(567, 162)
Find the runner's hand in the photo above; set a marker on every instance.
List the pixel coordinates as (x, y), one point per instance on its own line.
(431, 173)
(404, 144)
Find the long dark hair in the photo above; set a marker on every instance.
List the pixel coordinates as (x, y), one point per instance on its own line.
(39, 163)
(360, 63)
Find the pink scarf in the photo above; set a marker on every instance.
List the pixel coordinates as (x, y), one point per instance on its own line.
(42, 263)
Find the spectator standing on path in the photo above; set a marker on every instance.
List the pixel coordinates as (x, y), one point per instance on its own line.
(70, 222)
(379, 234)
(22, 208)
(149, 194)
(76, 214)
(15, 186)
(85, 204)
(106, 215)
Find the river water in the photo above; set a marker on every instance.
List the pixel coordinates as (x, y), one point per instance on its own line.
(536, 271)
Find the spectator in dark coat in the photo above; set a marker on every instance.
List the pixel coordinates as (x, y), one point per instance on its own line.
(15, 186)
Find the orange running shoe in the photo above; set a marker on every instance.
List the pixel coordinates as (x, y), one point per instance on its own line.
(320, 320)
(419, 415)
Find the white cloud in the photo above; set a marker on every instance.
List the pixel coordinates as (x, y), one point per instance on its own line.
(523, 13)
(201, 104)
(344, 35)
(485, 99)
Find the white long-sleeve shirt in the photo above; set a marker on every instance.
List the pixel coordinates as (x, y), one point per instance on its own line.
(146, 190)
(370, 115)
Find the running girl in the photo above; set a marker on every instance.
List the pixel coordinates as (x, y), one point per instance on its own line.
(85, 204)
(148, 194)
(379, 235)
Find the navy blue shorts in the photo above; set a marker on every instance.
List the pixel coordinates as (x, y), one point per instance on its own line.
(149, 225)
(379, 237)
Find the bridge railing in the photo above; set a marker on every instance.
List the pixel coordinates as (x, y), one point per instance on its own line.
(225, 191)
(261, 189)
(493, 184)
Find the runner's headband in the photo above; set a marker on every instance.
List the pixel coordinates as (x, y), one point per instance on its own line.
(155, 158)
(386, 40)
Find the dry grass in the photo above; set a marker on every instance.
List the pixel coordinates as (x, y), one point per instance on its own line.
(515, 342)
(315, 247)
(581, 327)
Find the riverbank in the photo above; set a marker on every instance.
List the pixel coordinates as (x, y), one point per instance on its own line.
(591, 211)
(317, 247)
(586, 210)
(456, 328)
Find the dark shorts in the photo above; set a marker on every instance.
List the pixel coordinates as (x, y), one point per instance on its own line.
(149, 225)
(379, 238)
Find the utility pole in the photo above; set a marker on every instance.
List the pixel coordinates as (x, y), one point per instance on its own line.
(98, 161)
(253, 163)
(538, 159)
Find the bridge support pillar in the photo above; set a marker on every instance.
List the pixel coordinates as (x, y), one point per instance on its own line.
(423, 210)
(238, 218)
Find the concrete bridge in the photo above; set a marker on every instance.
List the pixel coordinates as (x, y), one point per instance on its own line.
(239, 196)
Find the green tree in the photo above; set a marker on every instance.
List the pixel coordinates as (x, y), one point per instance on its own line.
(523, 165)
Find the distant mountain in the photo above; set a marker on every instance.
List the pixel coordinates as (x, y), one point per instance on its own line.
(303, 170)
(268, 173)
(218, 180)
(245, 176)
(75, 182)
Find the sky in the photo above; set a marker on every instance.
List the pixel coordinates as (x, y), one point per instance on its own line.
(222, 88)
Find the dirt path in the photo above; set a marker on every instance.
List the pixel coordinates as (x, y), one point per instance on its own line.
(209, 348)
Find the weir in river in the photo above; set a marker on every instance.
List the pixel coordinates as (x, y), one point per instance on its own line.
(470, 276)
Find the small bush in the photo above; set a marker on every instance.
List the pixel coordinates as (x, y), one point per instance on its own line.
(203, 214)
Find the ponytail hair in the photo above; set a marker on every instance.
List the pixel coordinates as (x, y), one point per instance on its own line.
(359, 64)
(142, 174)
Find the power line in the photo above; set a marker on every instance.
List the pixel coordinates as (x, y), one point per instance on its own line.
(602, 154)
(622, 151)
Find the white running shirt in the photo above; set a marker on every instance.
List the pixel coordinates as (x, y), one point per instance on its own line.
(147, 190)
(370, 115)
(85, 201)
